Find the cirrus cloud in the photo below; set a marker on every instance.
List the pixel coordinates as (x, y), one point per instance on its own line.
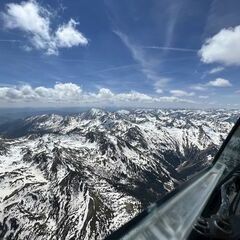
(216, 70)
(35, 21)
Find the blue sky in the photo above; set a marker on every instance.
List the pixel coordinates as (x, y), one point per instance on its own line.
(143, 53)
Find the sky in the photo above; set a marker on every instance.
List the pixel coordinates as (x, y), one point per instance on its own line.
(128, 53)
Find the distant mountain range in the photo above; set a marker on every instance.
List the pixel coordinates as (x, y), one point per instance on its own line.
(81, 176)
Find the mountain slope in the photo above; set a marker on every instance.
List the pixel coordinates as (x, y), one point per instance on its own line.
(82, 176)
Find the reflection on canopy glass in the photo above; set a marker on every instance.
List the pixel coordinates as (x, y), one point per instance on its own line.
(231, 153)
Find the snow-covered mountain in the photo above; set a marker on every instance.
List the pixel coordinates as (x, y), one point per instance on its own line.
(82, 176)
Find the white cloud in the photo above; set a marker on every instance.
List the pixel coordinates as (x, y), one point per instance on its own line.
(203, 97)
(159, 91)
(34, 21)
(216, 70)
(161, 83)
(105, 93)
(68, 36)
(224, 47)
(59, 92)
(199, 87)
(133, 96)
(181, 93)
(27, 16)
(219, 82)
(174, 99)
(69, 94)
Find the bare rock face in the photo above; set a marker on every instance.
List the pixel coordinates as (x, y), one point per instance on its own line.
(83, 176)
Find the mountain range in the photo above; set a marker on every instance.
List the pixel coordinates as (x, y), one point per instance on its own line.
(82, 176)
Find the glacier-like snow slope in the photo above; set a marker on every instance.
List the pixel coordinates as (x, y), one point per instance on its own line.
(83, 176)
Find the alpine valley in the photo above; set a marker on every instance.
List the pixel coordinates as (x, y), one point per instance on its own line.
(81, 176)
